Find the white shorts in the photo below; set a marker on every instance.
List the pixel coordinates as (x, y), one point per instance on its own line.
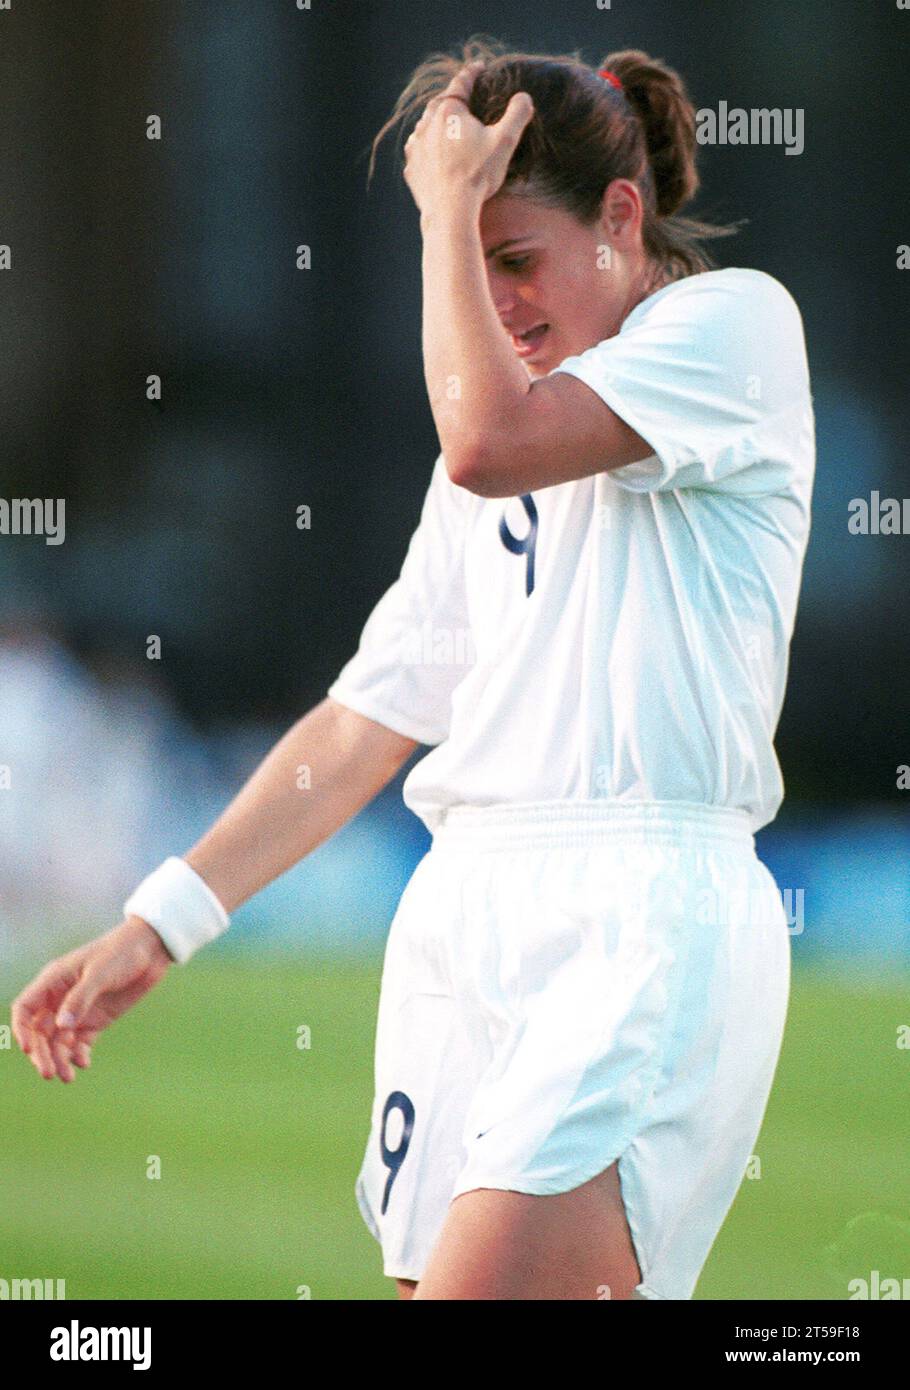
(567, 984)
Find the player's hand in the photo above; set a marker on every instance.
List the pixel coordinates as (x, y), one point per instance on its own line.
(86, 990)
(450, 154)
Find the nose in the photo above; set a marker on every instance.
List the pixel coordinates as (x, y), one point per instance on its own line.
(504, 304)
(503, 293)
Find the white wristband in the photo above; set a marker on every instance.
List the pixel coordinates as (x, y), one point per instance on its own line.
(181, 907)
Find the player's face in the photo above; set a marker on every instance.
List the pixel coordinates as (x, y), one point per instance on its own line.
(544, 267)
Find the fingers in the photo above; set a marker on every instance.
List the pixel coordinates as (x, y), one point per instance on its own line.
(516, 116)
(75, 1005)
(508, 128)
(463, 81)
(30, 1007)
(62, 1060)
(71, 1049)
(65, 1042)
(54, 1052)
(80, 1045)
(56, 1018)
(40, 1053)
(44, 992)
(460, 87)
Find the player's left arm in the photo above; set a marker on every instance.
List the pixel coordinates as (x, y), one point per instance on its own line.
(500, 433)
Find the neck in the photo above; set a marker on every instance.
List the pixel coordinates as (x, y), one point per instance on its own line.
(651, 278)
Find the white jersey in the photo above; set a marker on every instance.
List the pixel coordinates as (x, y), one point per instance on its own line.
(624, 636)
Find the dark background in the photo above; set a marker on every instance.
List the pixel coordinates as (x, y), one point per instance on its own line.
(284, 387)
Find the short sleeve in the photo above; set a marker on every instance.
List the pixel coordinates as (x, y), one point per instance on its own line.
(402, 675)
(712, 373)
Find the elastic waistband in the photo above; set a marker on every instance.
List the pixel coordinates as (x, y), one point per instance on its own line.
(571, 824)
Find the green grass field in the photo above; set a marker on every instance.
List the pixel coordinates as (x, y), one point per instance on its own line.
(260, 1142)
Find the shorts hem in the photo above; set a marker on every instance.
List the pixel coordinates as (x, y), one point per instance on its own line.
(366, 1211)
(389, 1270)
(537, 1188)
(528, 1187)
(393, 1270)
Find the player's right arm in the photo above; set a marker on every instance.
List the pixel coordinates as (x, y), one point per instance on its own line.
(382, 705)
(270, 825)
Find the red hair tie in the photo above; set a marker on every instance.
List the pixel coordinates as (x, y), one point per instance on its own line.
(610, 77)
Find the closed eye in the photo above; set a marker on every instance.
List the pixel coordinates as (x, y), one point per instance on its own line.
(514, 262)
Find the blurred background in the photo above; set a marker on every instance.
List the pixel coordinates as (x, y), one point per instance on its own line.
(284, 388)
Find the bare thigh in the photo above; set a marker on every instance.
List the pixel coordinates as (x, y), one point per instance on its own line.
(406, 1287)
(510, 1245)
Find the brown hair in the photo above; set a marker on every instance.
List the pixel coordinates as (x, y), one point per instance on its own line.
(584, 133)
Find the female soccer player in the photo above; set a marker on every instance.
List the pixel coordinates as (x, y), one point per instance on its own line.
(586, 981)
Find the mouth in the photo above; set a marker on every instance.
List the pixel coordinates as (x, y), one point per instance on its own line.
(526, 344)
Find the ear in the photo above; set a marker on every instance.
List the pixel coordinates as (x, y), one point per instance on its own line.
(622, 212)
